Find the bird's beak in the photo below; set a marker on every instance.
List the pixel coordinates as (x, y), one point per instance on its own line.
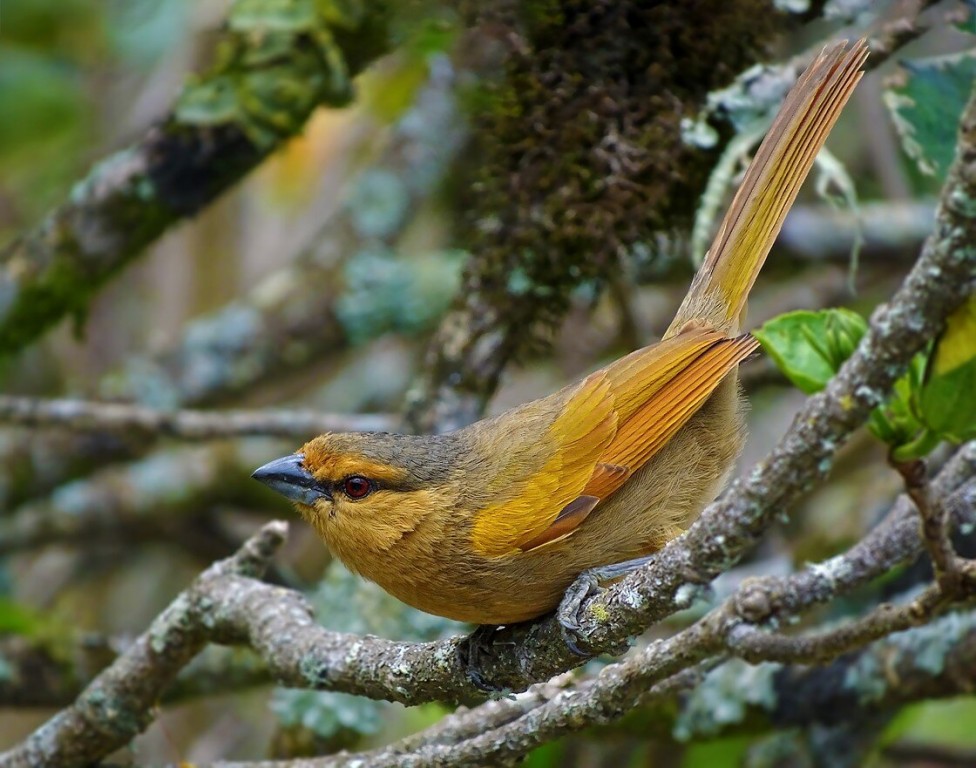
(287, 476)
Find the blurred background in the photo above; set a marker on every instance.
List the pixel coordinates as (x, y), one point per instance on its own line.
(317, 282)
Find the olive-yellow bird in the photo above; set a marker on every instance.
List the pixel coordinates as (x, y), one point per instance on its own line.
(491, 523)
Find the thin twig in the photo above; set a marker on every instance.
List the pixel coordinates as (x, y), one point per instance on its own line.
(184, 424)
(141, 496)
(933, 523)
(753, 645)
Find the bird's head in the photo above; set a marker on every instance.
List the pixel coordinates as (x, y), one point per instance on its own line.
(364, 490)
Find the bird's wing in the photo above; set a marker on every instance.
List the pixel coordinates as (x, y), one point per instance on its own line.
(532, 502)
(645, 428)
(611, 425)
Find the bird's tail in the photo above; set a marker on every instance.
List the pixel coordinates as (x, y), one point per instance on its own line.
(719, 291)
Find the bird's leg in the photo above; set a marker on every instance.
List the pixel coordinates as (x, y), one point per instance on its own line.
(587, 584)
(471, 653)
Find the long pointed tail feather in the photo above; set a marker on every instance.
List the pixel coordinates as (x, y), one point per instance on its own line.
(719, 291)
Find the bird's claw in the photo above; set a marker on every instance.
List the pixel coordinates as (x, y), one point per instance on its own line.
(471, 653)
(586, 585)
(570, 608)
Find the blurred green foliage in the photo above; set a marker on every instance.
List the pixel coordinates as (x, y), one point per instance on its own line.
(941, 722)
(56, 63)
(718, 753)
(17, 619)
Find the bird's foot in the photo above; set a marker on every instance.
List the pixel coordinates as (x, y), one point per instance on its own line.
(472, 652)
(568, 613)
(587, 584)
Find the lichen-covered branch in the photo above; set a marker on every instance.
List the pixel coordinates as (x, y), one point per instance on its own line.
(149, 423)
(277, 623)
(950, 572)
(44, 674)
(346, 288)
(274, 66)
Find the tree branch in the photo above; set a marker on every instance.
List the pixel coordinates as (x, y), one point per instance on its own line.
(119, 703)
(185, 161)
(228, 606)
(184, 424)
(140, 495)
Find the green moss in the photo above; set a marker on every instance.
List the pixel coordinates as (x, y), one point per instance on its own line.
(277, 61)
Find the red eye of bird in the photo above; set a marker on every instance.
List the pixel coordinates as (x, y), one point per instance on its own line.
(356, 487)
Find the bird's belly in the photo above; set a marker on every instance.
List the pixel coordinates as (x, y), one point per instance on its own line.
(503, 590)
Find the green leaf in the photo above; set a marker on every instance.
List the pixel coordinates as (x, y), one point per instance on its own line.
(947, 403)
(927, 107)
(895, 422)
(809, 347)
(41, 101)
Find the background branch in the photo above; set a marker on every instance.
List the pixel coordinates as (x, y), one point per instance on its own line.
(120, 702)
(153, 423)
(289, 322)
(182, 164)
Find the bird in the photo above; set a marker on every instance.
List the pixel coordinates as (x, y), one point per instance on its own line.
(492, 523)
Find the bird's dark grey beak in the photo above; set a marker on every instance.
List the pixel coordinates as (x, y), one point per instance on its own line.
(287, 476)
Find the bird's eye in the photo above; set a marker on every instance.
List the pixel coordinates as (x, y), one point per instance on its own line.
(356, 487)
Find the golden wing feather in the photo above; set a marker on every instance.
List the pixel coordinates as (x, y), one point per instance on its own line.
(534, 500)
(544, 505)
(665, 412)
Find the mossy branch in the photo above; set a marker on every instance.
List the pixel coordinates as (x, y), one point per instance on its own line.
(276, 62)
